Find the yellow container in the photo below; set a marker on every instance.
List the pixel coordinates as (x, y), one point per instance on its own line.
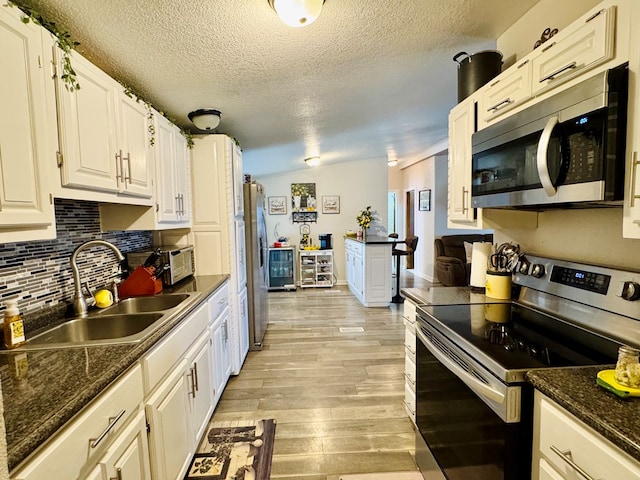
(498, 285)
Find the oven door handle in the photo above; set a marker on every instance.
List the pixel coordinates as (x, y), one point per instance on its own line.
(541, 157)
(468, 379)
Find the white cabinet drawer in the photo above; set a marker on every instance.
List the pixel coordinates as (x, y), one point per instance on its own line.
(561, 433)
(410, 343)
(410, 372)
(410, 402)
(87, 436)
(505, 92)
(572, 53)
(219, 301)
(409, 311)
(172, 348)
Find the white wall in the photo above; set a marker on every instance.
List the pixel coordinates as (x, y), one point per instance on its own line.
(430, 173)
(358, 184)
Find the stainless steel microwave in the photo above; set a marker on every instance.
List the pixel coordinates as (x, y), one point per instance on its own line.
(566, 150)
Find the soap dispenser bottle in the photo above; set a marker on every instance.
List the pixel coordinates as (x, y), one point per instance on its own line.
(13, 325)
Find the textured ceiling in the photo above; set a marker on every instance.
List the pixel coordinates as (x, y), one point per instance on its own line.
(366, 79)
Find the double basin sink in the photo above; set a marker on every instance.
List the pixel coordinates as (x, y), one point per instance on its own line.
(127, 321)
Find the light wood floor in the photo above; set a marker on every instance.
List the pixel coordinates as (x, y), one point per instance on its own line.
(331, 375)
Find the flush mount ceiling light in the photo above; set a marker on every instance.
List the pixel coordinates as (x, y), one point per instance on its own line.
(392, 162)
(297, 13)
(205, 119)
(312, 161)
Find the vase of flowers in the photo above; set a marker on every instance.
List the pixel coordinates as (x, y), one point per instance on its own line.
(364, 218)
(298, 190)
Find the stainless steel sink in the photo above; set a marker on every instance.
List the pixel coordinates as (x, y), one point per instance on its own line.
(97, 329)
(156, 303)
(129, 320)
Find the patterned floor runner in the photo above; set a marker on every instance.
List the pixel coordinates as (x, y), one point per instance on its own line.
(233, 451)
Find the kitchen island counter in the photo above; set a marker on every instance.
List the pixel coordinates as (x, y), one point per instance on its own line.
(575, 390)
(44, 389)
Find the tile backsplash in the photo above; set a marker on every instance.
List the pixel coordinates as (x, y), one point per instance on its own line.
(39, 274)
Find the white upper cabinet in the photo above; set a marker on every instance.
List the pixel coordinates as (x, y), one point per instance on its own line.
(26, 211)
(462, 124)
(581, 46)
(102, 136)
(506, 91)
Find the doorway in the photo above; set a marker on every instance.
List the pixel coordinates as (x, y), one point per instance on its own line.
(409, 216)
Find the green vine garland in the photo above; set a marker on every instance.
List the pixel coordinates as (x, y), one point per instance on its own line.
(63, 40)
(67, 44)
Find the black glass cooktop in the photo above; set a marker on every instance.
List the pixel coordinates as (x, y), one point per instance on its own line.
(518, 338)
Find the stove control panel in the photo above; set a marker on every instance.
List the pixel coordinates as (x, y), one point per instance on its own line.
(629, 290)
(584, 279)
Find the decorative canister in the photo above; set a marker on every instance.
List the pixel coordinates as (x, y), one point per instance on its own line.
(498, 285)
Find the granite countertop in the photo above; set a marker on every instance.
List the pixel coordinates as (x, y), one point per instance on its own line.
(44, 389)
(374, 240)
(575, 389)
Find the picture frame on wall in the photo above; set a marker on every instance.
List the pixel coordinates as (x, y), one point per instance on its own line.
(331, 204)
(424, 200)
(277, 205)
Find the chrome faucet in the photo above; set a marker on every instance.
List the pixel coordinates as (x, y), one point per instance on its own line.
(79, 300)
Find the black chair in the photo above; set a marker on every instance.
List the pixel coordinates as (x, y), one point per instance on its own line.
(411, 243)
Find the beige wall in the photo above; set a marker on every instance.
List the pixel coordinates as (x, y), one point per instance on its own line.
(358, 184)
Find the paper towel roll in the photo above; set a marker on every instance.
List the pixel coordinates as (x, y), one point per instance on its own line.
(479, 262)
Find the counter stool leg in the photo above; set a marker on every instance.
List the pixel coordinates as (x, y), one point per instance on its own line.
(397, 298)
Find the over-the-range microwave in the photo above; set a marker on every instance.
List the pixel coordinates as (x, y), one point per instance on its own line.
(566, 150)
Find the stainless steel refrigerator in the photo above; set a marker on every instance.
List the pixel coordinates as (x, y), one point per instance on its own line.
(256, 241)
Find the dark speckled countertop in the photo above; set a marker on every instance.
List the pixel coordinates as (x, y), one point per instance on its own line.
(59, 382)
(575, 389)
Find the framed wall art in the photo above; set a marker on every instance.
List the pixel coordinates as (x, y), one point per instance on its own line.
(331, 204)
(277, 205)
(303, 197)
(424, 200)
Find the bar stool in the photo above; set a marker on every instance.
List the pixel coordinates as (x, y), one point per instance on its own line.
(411, 242)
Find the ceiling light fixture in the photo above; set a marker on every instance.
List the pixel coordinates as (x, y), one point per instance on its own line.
(297, 13)
(392, 162)
(312, 161)
(205, 119)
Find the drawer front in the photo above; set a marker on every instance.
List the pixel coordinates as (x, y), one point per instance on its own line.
(410, 373)
(219, 301)
(172, 348)
(81, 442)
(561, 433)
(410, 403)
(504, 93)
(591, 44)
(409, 311)
(410, 343)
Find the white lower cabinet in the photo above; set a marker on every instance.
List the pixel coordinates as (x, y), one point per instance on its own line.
(563, 446)
(148, 423)
(128, 456)
(170, 441)
(98, 430)
(409, 315)
(369, 272)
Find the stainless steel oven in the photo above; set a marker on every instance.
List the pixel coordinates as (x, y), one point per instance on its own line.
(473, 404)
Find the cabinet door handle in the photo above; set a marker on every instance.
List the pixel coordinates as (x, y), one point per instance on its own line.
(464, 202)
(551, 76)
(632, 193)
(112, 423)
(501, 103)
(120, 164)
(193, 384)
(195, 376)
(566, 457)
(127, 178)
(412, 381)
(118, 475)
(522, 64)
